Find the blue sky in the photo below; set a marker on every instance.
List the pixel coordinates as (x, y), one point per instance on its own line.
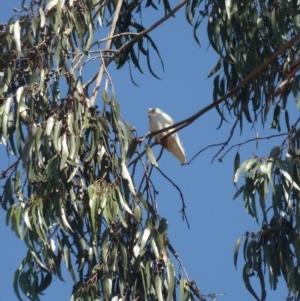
(206, 250)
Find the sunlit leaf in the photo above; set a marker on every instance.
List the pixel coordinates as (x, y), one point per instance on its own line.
(17, 35)
(158, 287)
(236, 251)
(150, 155)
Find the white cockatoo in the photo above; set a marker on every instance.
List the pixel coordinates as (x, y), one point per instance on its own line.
(159, 120)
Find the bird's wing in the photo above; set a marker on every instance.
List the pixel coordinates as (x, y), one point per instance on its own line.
(174, 146)
(163, 120)
(158, 121)
(167, 119)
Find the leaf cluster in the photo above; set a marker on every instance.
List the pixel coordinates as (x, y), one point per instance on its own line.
(275, 248)
(71, 192)
(245, 35)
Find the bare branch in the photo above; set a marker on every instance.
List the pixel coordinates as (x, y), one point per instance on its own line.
(202, 150)
(184, 216)
(247, 141)
(128, 44)
(4, 173)
(113, 37)
(108, 44)
(178, 259)
(146, 31)
(251, 140)
(228, 139)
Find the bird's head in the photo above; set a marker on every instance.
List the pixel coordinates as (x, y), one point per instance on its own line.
(153, 111)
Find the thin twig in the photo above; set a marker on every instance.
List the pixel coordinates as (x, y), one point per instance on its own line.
(4, 173)
(253, 139)
(145, 176)
(292, 129)
(139, 35)
(184, 216)
(202, 150)
(235, 145)
(146, 31)
(228, 139)
(141, 154)
(108, 44)
(107, 75)
(170, 247)
(115, 36)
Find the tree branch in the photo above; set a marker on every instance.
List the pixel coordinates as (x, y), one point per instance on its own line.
(182, 124)
(184, 216)
(128, 44)
(108, 44)
(4, 173)
(146, 31)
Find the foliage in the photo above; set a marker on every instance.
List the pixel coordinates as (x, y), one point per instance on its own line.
(71, 193)
(258, 44)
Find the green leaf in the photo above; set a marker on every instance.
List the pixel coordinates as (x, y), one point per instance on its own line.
(275, 123)
(287, 120)
(126, 176)
(246, 279)
(74, 147)
(131, 77)
(123, 253)
(239, 191)
(170, 279)
(27, 218)
(37, 139)
(107, 287)
(294, 87)
(149, 65)
(144, 239)
(236, 162)
(167, 10)
(122, 202)
(135, 60)
(132, 147)
(90, 36)
(45, 283)
(39, 262)
(5, 116)
(41, 82)
(64, 151)
(17, 221)
(137, 213)
(155, 249)
(216, 68)
(150, 155)
(105, 97)
(16, 282)
(236, 251)
(158, 288)
(42, 16)
(187, 12)
(56, 134)
(244, 167)
(153, 45)
(184, 291)
(285, 173)
(17, 35)
(147, 205)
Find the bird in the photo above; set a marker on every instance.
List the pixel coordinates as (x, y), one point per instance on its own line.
(159, 120)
